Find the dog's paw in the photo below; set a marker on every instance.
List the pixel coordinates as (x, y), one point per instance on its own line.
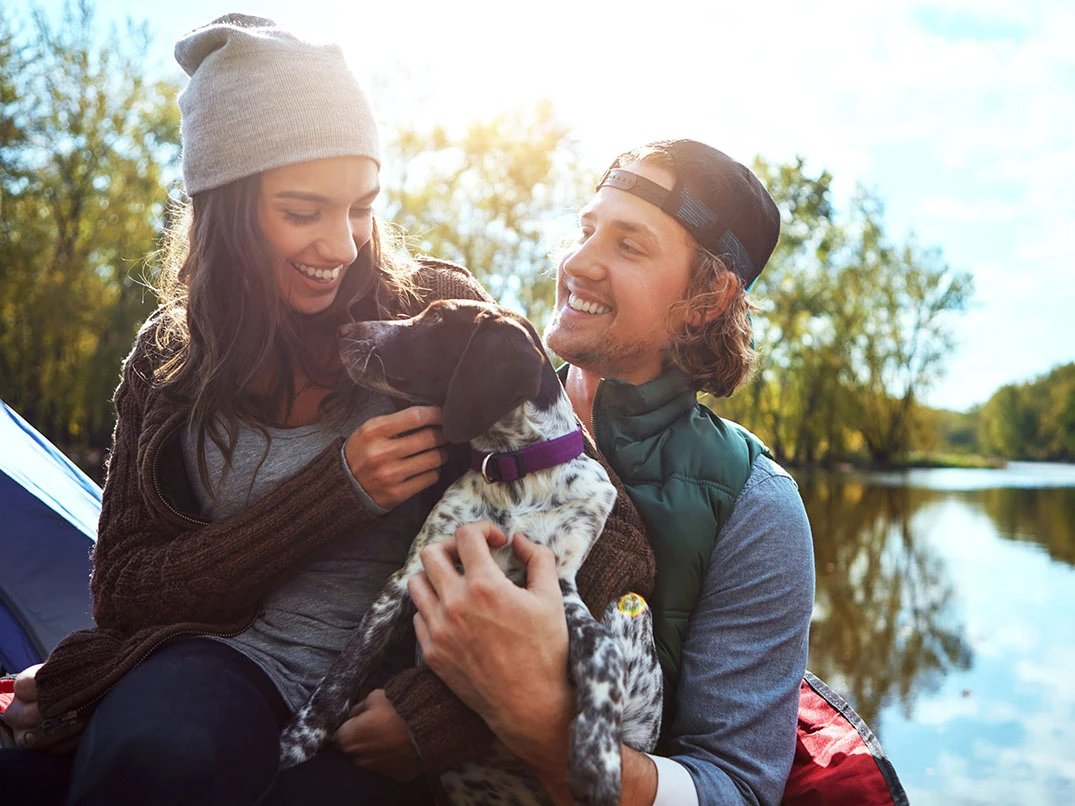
(291, 756)
(594, 764)
(300, 741)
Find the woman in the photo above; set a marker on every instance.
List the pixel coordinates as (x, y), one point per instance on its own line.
(255, 500)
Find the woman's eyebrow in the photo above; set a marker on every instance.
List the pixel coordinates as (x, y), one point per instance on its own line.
(302, 195)
(317, 198)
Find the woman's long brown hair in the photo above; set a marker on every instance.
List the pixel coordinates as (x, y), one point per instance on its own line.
(230, 343)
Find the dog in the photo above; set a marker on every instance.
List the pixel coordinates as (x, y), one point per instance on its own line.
(488, 370)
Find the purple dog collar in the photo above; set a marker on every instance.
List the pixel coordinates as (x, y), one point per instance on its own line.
(513, 465)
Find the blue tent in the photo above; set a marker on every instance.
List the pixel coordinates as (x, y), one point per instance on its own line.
(48, 524)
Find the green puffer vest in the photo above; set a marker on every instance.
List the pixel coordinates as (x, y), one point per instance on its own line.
(683, 467)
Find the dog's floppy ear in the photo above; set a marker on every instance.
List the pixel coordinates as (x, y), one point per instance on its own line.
(499, 370)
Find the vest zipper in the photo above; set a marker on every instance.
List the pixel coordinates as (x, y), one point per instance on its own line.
(593, 414)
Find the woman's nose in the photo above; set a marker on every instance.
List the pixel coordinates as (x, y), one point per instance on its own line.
(338, 244)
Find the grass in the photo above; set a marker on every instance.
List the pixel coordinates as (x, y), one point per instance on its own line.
(959, 460)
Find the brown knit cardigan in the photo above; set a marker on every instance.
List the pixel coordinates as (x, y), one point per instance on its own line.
(160, 573)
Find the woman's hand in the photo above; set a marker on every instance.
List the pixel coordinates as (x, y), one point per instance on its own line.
(22, 715)
(501, 648)
(397, 455)
(375, 737)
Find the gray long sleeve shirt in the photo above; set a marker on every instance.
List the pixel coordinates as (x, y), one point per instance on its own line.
(746, 647)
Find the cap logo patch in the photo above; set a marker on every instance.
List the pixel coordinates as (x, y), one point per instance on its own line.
(694, 212)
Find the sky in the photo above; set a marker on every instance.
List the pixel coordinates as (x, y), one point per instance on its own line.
(959, 114)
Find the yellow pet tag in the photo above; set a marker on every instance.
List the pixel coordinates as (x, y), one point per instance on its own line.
(632, 604)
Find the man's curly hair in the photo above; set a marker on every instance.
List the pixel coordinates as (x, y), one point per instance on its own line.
(714, 349)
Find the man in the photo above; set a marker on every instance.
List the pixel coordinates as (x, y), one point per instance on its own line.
(651, 308)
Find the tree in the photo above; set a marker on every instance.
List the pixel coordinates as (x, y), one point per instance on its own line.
(89, 145)
(897, 350)
(796, 382)
(489, 198)
(852, 328)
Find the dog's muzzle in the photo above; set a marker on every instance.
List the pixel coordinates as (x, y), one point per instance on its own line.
(360, 358)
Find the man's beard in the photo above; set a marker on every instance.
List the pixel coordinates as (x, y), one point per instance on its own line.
(610, 358)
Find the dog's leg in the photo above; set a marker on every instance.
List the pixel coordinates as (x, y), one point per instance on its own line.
(630, 622)
(328, 706)
(595, 665)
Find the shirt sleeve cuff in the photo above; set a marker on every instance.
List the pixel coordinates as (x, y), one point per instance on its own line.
(675, 787)
(363, 497)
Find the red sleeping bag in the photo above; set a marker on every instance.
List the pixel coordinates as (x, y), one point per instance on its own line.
(838, 760)
(7, 692)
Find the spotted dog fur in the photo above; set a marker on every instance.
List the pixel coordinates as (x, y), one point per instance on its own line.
(485, 366)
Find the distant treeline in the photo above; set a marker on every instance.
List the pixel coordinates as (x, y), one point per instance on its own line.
(853, 328)
(1032, 421)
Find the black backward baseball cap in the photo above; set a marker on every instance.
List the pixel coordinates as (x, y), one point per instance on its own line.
(719, 201)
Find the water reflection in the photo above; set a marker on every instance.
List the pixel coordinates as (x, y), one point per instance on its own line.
(884, 629)
(1045, 518)
(943, 613)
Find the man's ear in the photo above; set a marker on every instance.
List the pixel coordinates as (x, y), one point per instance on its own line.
(719, 296)
(500, 369)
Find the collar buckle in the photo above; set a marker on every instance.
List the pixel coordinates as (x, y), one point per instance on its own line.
(514, 465)
(520, 467)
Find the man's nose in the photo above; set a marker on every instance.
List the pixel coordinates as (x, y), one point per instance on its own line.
(585, 260)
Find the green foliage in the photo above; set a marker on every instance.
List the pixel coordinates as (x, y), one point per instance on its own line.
(1032, 421)
(905, 297)
(489, 198)
(852, 329)
(87, 144)
(951, 432)
(793, 398)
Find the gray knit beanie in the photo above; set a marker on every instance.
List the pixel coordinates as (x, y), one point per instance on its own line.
(259, 97)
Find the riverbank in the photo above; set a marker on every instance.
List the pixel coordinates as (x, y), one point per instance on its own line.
(913, 461)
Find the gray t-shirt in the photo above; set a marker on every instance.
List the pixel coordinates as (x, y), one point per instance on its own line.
(304, 623)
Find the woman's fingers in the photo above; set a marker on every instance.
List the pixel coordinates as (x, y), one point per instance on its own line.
(397, 455)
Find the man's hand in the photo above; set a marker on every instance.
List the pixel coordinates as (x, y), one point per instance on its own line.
(397, 455)
(375, 737)
(501, 648)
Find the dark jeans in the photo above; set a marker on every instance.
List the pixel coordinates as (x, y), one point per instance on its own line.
(197, 722)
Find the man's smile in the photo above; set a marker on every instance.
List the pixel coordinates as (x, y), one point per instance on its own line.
(585, 306)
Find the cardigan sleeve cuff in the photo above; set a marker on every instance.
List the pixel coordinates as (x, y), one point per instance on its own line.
(363, 497)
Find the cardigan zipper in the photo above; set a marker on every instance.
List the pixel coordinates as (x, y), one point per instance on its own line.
(160, 492)
(55, 723)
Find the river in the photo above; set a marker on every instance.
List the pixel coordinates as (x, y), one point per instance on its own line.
(945, 613)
